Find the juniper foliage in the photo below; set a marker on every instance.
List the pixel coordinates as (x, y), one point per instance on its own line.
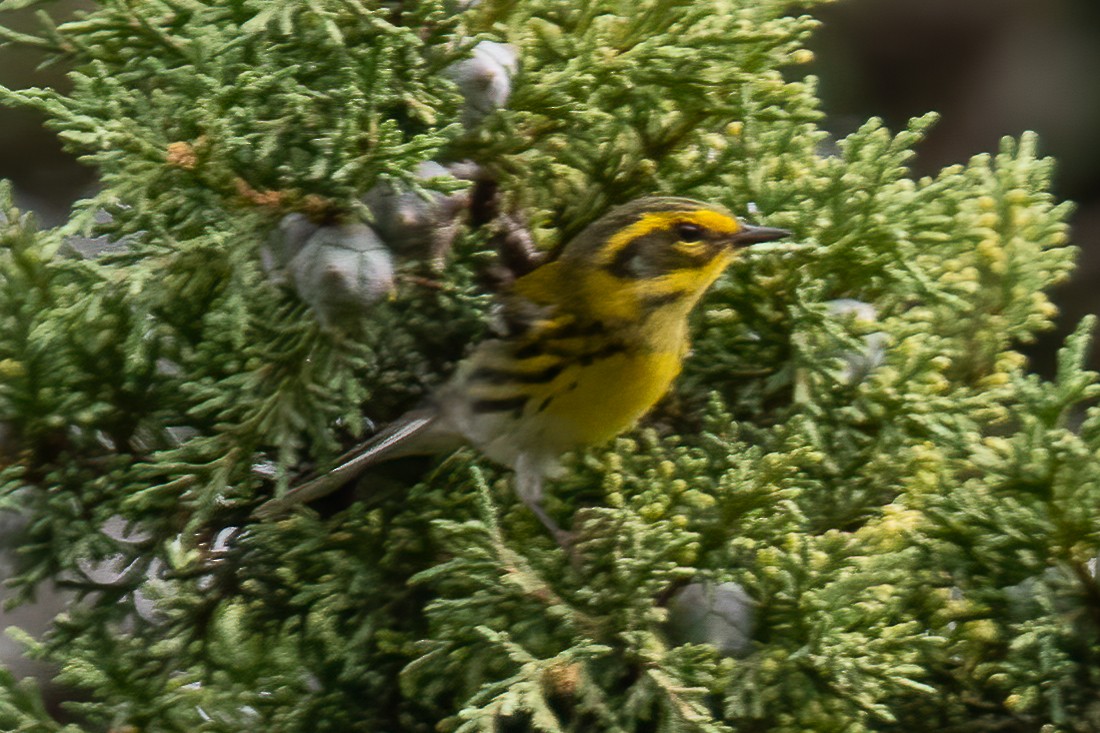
(919, 535)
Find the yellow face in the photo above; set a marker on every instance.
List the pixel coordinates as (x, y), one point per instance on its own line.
(657, 254)
(664, 261)
(662, 243)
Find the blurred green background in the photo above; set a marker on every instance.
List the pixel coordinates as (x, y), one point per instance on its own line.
(990, 67)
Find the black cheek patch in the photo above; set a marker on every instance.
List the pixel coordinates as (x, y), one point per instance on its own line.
(658, 253)
(691, 259)
(624, 264)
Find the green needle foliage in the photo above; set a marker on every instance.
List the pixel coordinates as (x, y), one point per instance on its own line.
(919, 534)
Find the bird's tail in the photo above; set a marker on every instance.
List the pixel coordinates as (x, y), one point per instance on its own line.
(416, 433)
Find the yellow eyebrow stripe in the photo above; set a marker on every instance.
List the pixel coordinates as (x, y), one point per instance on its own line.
(656, 220)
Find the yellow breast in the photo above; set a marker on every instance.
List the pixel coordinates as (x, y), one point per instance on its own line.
(590, 404)
(563, 387)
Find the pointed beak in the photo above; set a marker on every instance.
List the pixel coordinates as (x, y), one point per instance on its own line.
(749, 234)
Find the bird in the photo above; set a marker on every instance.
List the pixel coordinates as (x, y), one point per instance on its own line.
(593, 338)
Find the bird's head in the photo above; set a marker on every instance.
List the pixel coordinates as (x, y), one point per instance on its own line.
(658, 253)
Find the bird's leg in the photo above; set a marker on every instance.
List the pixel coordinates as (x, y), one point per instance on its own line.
(529, 490)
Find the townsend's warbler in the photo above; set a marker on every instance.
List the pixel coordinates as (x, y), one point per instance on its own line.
(595, 337)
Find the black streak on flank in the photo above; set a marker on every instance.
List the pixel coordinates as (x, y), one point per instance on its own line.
(528, 351)
(605, 351)
(547, 342)
(509, 404)
(498, 376)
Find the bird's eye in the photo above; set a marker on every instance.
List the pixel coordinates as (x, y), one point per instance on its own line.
(689, 232)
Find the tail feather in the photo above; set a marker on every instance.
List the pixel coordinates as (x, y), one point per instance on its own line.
(417, 433)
